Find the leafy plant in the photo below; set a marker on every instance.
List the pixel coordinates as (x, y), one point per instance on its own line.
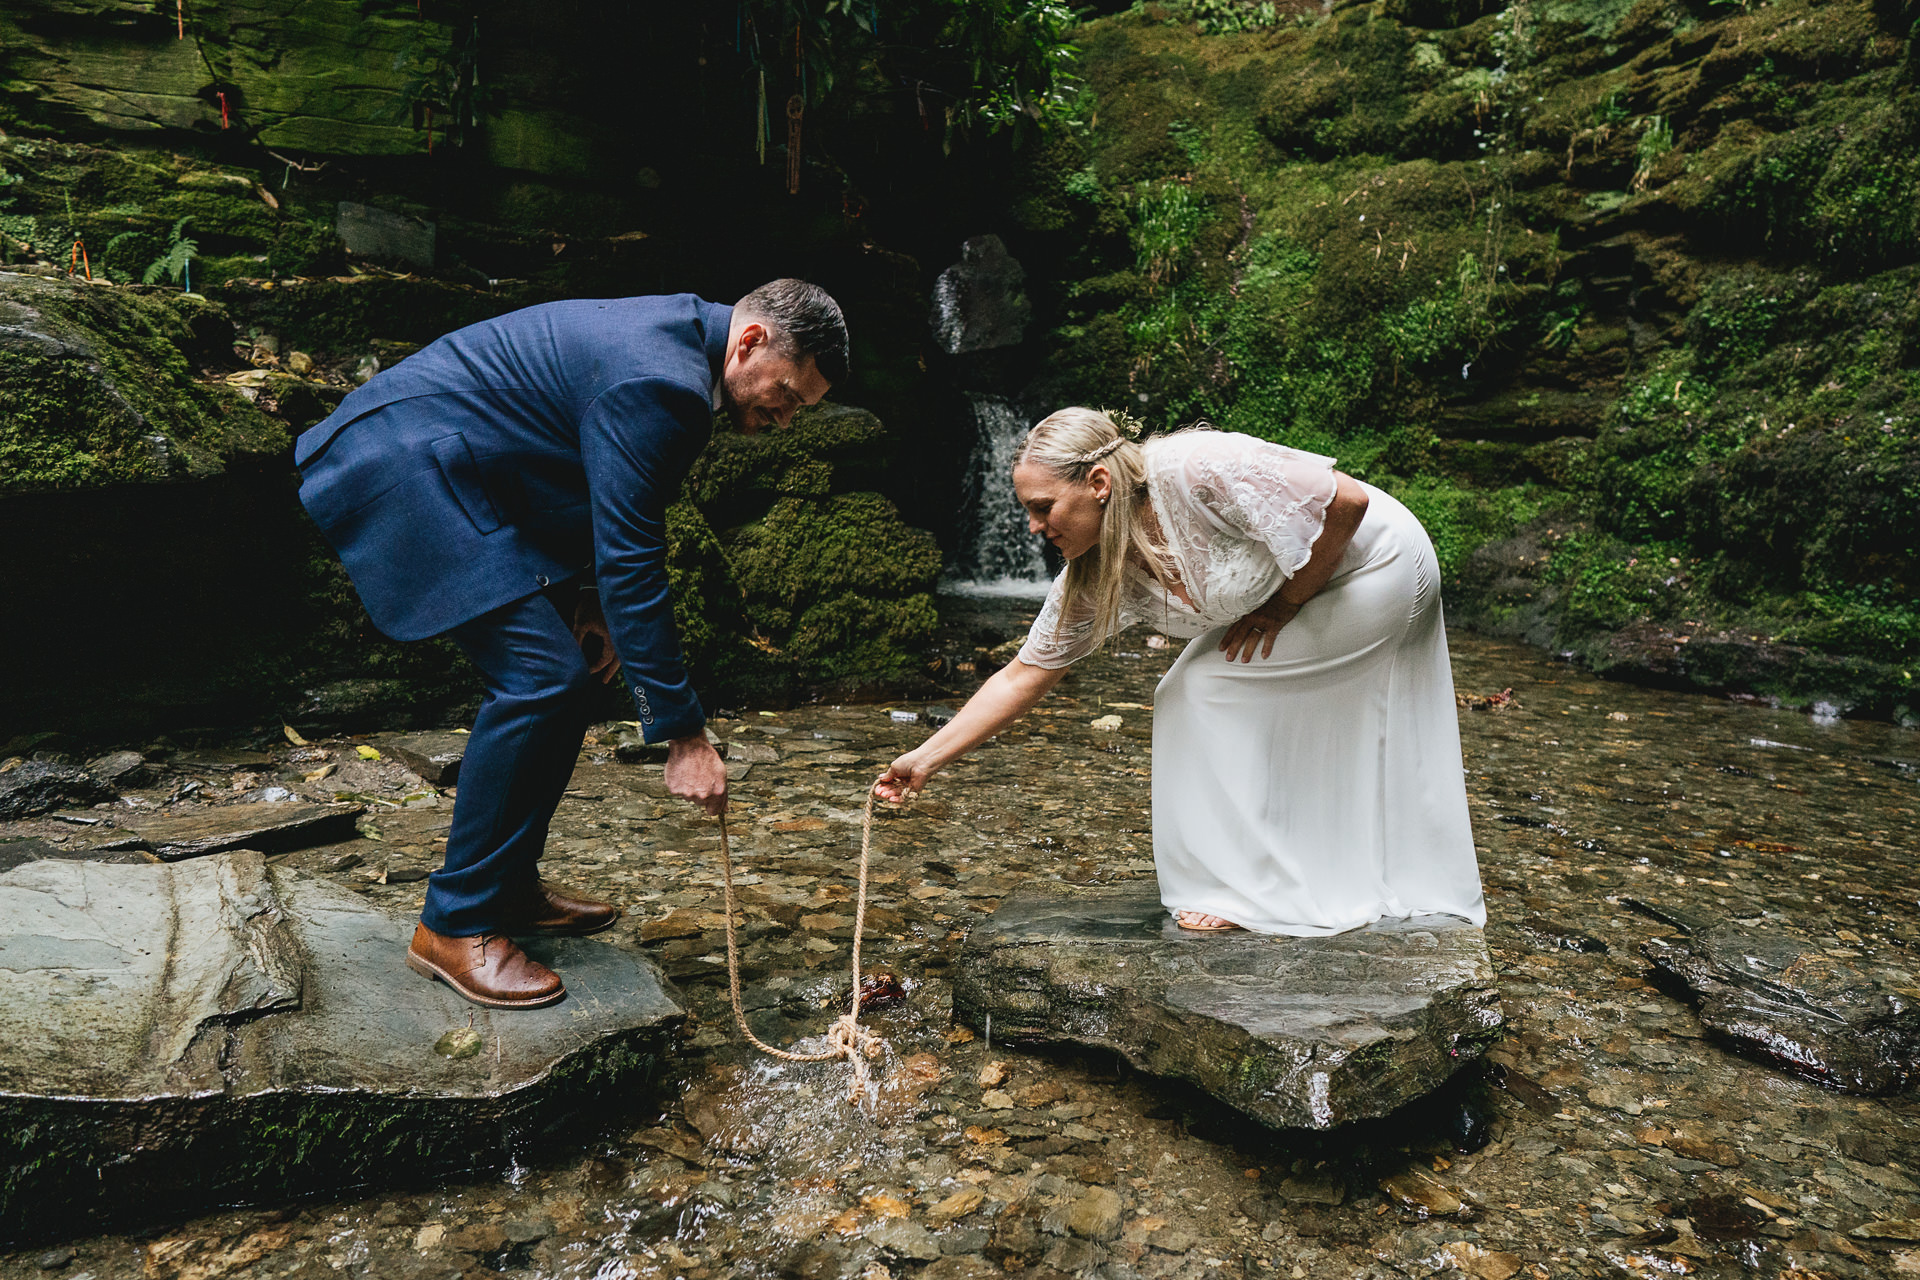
(1656, 139)
(175, 263)
(1168, 219)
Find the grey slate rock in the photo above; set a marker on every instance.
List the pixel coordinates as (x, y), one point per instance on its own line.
(435, 757)
(1781, 999)
(266, 826)
(122, 770)
(1297, 1032)
(392, 237)
(220, 1030)
(34, 787)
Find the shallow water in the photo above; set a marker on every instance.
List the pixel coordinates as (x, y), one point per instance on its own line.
(1623, 1142)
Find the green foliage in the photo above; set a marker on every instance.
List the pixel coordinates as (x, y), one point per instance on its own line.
(1001, 64)
(1224, 17)
(175, 262)
(1168, 219)
(1656, 140)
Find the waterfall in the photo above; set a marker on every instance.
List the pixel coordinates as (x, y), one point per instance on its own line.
(997, 555)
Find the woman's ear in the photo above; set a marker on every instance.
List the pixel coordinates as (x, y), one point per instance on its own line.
(1100, 483)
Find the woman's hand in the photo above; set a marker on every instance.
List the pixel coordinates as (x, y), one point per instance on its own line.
(1257, 630)
(904, 777)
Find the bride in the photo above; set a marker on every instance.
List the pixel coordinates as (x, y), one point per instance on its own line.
(1307, 775)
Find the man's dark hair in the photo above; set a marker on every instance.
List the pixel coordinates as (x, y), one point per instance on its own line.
(805, 321)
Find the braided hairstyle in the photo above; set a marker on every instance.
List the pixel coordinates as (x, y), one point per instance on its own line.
(1070, 444)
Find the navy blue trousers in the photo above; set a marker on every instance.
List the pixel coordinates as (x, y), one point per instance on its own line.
(520, 755)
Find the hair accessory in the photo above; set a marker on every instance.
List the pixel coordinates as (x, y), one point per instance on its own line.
(1126, 424)
(1094, 455)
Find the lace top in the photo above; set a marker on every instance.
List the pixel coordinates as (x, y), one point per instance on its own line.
(1240, 517)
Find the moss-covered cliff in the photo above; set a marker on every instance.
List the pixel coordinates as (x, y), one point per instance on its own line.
(1617, 294)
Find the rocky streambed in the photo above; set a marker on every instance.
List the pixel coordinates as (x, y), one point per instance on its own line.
(1615, 1130)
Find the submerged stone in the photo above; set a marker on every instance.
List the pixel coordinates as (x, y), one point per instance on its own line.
(222, 1030)
(1298, 1032)
(267, 826)
(1784, 1000)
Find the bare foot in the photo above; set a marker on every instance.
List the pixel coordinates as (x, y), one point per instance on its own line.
(1198, 920)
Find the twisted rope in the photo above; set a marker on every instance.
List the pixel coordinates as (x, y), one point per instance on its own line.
(846, 1038)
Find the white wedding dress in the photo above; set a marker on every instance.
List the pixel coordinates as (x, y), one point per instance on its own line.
(1319, 789)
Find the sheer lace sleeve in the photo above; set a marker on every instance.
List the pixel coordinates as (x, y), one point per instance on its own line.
(1052, 646)
(1270, 493)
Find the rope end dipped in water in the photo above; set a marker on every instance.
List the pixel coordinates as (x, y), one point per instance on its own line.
(846, 1038)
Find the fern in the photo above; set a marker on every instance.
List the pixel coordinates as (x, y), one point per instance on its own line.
(172, 264)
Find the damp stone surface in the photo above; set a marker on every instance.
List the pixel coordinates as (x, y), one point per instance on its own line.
(1298, 1032)
(221, 1029)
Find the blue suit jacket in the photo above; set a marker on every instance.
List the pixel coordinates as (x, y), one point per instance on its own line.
(517, 452)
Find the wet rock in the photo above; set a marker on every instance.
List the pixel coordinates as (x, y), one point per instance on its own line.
(122, 770)
(980, 302)
(961, 1267)
(392, 237)
(435, 757)
(1298, 1032)
(1423, 1196)
(1888, 1229)
(267, 827)
(221, 1030)
(1776, 997)
(32, 787)
(1549, 935)
(1096, 1214)
(54, 1259)
(905, 1239)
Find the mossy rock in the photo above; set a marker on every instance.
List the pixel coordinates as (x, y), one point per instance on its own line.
(96, 387)
(826, 449)
(840, 584)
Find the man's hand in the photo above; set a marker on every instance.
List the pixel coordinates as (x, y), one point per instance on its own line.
(1257, 630)
(590, 624)
(696, 772)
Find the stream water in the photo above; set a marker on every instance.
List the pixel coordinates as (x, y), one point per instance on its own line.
(1620, 1140)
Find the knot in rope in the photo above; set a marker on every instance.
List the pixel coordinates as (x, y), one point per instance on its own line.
(846, 1038)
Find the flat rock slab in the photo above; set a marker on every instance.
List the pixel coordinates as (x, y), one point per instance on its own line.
(435, 757)
(1298, 1032)
(1780, 998)
(265, 826)
(220, 1030)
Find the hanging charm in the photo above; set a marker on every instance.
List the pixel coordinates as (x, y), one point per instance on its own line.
(760, 120)
(796, 107)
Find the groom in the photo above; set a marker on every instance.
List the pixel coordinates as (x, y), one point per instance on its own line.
(507, 487)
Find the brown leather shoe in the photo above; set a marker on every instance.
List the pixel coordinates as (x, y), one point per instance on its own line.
(487, 969)
(553, 910)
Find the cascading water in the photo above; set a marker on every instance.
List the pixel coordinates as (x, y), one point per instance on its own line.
(997, 555)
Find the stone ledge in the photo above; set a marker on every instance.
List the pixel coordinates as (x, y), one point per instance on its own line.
(219, 1030)
(1298, 1032)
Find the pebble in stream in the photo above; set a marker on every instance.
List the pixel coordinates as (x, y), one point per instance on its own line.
(1616, 1138)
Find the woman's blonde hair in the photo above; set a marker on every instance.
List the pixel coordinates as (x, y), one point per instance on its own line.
(1069, 444)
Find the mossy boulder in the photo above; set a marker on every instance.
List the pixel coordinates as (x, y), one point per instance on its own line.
(98, 386)
(841, 584)
(1615, 294)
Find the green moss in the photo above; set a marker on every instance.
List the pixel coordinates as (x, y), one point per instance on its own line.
(96, 387)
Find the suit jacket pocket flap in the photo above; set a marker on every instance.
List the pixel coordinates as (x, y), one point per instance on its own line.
(463, 477)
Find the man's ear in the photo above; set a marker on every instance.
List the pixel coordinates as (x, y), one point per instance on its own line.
(753, 334)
